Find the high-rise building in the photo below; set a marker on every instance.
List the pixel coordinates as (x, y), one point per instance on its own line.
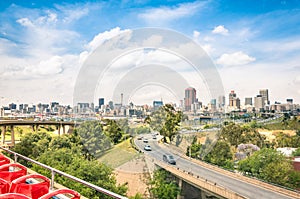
(265, 94)
(232, 97)
(221, 101)
(289, 101)
(12, 106)
(248, 101)
(213, 102)
(213, 105)
(111, 105)
(234, 101)
(259, 103)
(157, 104)
(101, 102)
(190, 98)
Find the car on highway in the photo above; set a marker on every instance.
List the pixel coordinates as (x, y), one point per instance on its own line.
(140, 138)
(169, 159)
(147, 148)
(145, 140)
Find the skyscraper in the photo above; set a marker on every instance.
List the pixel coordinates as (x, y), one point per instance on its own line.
(233, 100)
(190, 98)
(232, 97)
(259, 103)
(221, 101)
(248, 101)
(265, 95)
(157, 104)
(101, 102)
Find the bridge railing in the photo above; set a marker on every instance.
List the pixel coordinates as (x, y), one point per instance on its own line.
(267, 185)
(198, 181)
(56, 171)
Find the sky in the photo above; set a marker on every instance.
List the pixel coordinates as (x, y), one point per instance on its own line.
(254, 44)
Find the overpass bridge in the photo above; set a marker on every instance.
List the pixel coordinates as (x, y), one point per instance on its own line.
(212, 179)
(60, 125)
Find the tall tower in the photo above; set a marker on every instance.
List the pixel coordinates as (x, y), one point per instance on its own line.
(259, 103)
(101, 102)
(190, 98)
(232, 97)
(221, 101)
(233, 100)
(265, 95)
(248, 101)
(121, 99)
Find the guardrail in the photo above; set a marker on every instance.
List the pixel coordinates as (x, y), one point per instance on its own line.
(254, 181)
(198, 181)
(56, 171)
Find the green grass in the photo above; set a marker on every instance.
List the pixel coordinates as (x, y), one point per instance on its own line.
(119, 154)
(292, 124)
(22, 130)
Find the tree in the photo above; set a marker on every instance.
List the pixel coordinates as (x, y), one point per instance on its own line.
(296, 152)
(137, 196)
(113, 130)
(72, 163)
(270, 165)
(294, 179)
(95, 141)
(166, 120)
(283, 140)
(236, 134)
(33, 144)
(163, 186)
(195, 149)
(220, 155)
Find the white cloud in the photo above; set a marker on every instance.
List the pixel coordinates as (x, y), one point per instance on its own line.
(297, 80)
(220, 30)
(50, 66)
(235, 59)
(208, 48)
(72, 14)
(165, 14)
(25, 22)
(104, 36)
(153, 40)
(196, 35)
(50, 18)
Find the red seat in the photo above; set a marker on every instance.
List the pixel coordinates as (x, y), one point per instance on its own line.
(61, 191)
(9, 175)
(4, 160)
(4, 186)
(13, 196)
(34, 189)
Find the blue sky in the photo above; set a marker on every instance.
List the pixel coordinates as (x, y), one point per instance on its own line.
(254, 44)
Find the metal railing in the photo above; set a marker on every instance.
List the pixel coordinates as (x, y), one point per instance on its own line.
(55, 171)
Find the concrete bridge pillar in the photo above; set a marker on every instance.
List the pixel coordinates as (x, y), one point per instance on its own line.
(64, 129)
(58, 129)
(12, 135)
(3, 135)
(180, 187)
(36, 128)
(33, 128)
(203, 194)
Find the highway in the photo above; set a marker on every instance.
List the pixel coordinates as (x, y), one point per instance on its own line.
(243, 188)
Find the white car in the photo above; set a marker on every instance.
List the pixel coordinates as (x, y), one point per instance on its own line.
(147, 148)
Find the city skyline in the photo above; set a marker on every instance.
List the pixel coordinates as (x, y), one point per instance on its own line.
(190, 98)
(43, 44)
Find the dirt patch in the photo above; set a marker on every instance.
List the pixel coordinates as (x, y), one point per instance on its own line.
(136, 174)
(271, 134)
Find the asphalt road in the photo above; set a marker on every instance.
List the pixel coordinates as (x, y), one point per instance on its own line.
(236, 185)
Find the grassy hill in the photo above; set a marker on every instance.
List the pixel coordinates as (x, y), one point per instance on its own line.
(119, 154)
